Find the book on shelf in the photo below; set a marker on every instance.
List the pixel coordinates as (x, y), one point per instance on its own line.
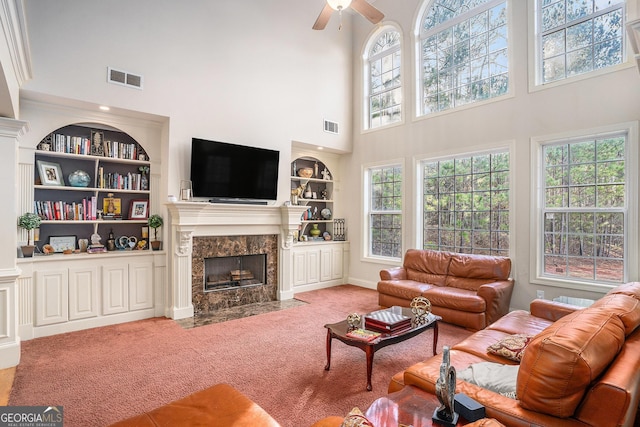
(363, 334)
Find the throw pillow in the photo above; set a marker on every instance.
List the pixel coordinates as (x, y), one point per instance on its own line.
(492, 376)
(356, 418)
(511, 347)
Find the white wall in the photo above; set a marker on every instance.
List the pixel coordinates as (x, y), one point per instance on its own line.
(584, 104)
(246, 72)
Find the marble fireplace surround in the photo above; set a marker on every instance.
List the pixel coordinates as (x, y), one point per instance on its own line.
(203, 219)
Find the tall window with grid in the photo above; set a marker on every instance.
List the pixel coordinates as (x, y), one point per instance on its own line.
(385, 80)
(385, 211)
(578, 36)
(584, 209)
(465, 204)
(464, 57)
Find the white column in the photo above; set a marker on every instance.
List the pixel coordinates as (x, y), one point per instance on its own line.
(10, 131)
(290, 222)
(182, 248)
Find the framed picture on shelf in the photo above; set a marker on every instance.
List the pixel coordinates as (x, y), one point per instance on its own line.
(112, 205)
(139, 209)
(62, 243)
(97, 140)
(50, 173)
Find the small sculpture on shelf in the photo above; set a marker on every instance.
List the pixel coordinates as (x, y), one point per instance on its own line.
(96, 247)
(326, 175)
(446, 390)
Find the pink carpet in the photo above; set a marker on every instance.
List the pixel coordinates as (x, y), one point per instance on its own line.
(277, 359)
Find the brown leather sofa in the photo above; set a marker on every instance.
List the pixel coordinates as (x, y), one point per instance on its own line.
(581, 368)
(472, 291)
(219, 405)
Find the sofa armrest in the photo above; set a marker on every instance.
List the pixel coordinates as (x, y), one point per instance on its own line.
(395, 273)
(497, 296)
(551, 310)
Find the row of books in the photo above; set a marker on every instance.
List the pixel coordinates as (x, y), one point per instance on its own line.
(70, 144)
(118, 181)
(61, 143)
(59, 210)
(121, 150)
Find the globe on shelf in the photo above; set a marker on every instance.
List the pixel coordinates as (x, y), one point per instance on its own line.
(79, 178)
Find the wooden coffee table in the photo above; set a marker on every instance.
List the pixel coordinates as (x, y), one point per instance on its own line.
(339, 331)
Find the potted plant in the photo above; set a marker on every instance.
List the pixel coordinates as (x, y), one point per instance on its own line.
(29, 221)
(155, 222)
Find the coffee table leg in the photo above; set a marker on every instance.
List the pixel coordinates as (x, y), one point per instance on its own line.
(328, 365)
(369, 351)
(435, 338)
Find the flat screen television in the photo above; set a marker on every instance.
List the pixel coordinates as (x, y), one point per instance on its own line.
(231, 173)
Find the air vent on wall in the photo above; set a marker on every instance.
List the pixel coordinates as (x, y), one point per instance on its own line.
(124, 78)
(331, 127)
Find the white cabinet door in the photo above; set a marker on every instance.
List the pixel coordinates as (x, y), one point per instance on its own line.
(313, 266)
(140, 285)
(83, 292)
(52, 296)
(337, 263)
(325, 264)
(299, 268)
(115, 289)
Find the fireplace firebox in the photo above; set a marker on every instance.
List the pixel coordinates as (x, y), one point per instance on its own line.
(234, 271)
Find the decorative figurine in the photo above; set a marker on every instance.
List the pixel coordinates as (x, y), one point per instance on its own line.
(354, 320)
(326, 175)
(446, 390)
(421, 308)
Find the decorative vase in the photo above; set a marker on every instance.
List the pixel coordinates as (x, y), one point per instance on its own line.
(144, 182)
(315, 231)
(79, 179)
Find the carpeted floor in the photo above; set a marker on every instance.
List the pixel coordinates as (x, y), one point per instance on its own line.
(277, 359)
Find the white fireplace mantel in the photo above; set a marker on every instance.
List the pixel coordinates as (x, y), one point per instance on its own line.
(190, 219)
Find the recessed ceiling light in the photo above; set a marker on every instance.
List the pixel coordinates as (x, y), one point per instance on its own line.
(104, 108)
(320, 148)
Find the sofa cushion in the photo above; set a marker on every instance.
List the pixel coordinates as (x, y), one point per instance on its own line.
(631, 289)
(476, 344)
(472, 271)
(457, 299)
(427, 266)
(562, 361)
(520, 321)
(405, 289)
(625, 307)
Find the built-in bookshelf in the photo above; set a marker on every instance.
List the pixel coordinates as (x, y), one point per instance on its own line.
(89, 181)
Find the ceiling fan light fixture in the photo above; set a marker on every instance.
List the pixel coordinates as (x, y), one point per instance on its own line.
(339, 4)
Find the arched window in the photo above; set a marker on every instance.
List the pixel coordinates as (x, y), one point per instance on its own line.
(384, 82)
(463, 53)
(576, 37)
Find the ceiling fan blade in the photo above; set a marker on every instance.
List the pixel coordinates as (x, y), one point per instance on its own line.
(323, 18)
(368, 11)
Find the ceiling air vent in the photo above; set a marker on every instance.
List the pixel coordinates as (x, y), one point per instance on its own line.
(124, 78)
(331, 127)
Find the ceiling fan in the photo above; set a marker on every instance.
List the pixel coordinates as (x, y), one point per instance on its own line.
(360, 6)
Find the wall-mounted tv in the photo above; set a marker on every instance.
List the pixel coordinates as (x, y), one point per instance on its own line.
(224, 172)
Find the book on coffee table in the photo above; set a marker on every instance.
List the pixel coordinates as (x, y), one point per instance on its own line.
(363, 334)
(387, 321)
